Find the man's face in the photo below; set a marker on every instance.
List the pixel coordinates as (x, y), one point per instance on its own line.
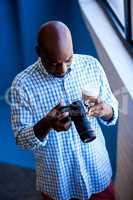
(55, 66)
(57, 59)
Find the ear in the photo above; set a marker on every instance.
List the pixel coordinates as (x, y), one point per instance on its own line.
(37, 50)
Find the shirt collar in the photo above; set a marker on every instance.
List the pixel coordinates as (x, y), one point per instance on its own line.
(41, 66)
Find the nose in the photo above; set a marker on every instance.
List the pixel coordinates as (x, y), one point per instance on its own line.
(61, 69)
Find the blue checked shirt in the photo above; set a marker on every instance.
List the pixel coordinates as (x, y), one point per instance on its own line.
(65, 166)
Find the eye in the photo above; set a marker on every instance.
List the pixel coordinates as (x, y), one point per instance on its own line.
(54, 64)
(69, 60)
(48, 63)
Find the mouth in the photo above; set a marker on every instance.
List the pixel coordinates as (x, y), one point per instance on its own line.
(60, 75)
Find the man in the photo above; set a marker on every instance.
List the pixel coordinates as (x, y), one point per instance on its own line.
(67, 168)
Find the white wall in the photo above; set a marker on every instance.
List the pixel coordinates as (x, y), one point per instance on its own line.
(118, 65)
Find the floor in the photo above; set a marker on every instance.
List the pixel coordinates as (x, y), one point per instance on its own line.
(17, 183)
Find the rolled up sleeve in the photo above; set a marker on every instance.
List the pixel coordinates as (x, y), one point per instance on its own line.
(22, 120)
(107, 96)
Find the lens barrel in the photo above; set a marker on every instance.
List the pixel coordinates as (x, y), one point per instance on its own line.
(77, 114)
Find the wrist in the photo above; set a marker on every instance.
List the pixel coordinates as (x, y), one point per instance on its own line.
(42, 128)
(48, 123)
(109, 114)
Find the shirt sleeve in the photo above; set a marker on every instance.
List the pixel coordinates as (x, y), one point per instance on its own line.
(107, 96)
(22, 120)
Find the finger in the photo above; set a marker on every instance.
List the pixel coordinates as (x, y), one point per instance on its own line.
(96, 110)
(97, 107)
(61, 103)
(95, 114)
(61, 116)
(63, 127)
(67, 126)
(91, 101)
(98, 100)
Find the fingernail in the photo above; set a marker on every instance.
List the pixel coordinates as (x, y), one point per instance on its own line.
(66, 113)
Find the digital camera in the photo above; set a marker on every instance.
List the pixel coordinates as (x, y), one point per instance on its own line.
(77, 114)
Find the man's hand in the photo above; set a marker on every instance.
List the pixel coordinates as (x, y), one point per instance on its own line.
(100, 109)
(58, 121)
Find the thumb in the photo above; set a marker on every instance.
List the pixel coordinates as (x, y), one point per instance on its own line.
(61, 103)
(98, 100)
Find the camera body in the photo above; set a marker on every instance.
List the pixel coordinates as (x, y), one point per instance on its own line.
(77, 114)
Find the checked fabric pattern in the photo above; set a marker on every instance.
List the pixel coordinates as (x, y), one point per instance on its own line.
(65, 166)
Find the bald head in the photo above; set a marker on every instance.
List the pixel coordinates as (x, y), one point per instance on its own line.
(54, 42)
(54, 37)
